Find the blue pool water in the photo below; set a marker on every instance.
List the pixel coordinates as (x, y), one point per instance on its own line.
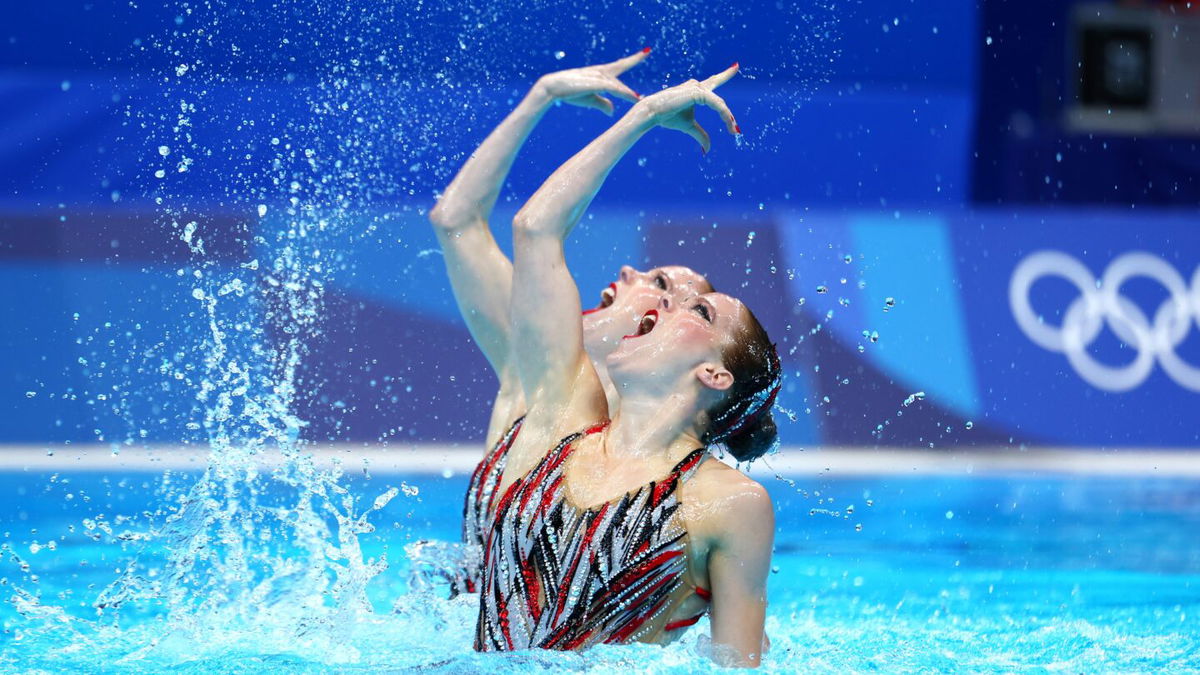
(987, 574)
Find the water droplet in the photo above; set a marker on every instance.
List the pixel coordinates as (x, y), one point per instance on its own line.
(822, 289)
(949, 515)
(164, 150)
(970, 424)
(559, 55)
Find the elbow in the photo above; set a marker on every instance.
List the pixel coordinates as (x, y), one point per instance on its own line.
(522, 223)
(441, 218)
(541, 224)
(448, 220)
(526, 226)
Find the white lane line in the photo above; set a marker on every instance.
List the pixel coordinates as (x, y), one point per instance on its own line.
(828, 462)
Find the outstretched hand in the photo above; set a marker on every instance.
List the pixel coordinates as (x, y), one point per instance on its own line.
(584, 86)
(675, 107)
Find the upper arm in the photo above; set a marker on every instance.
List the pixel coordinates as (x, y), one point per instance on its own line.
(481, 278)
(547, 333)
(739, 560)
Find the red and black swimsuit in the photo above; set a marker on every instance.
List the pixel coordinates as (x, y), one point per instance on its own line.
(481, 497)
(559, 577)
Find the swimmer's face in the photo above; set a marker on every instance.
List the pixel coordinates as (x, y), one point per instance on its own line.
(624, 302)
(681, 339)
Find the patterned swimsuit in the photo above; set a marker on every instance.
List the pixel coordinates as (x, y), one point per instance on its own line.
(480, 498)
(559, 577)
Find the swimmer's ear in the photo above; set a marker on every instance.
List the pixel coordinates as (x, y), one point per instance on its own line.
(714, 376)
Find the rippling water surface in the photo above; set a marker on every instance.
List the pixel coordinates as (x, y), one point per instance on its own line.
(984, 575)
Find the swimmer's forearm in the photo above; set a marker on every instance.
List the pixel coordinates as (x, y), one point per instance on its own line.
(471, 196)
(555, 373)
(561, 201)
(480, 273)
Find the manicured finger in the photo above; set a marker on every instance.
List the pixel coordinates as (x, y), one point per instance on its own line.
(621, 65)
(717, 103)
(697, 132)
(721, 77)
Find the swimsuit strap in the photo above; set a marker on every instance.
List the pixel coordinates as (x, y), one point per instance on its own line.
(688, 465)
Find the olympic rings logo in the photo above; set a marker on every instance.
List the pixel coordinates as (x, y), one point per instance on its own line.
(1100, 303)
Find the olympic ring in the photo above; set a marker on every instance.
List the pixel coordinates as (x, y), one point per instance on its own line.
(1099, 304)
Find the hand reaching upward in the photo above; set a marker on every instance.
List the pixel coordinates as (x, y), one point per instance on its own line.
(675, 107)
(584, 86)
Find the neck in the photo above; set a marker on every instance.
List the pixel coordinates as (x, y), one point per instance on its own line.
(649, 426)
(610, 390)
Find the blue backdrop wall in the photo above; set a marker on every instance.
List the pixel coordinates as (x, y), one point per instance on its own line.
(881, 215)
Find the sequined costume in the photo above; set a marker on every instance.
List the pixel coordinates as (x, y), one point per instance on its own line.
(478, 506)
(559, 577)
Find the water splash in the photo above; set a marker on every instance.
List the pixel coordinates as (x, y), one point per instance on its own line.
(263, 550)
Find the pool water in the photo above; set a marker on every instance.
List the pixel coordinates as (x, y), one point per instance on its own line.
(914, 574)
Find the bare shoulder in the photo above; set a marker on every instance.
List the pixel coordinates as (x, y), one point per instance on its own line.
(717, 480)
(724, 501)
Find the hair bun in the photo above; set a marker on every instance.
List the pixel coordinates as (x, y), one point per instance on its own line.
(753, 440)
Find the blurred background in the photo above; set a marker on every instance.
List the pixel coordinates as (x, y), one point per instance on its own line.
(922, 211)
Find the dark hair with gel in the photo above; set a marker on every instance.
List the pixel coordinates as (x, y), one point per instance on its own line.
(742, 420)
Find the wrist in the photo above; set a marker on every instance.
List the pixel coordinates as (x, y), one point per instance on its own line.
(539, 95)
(638, 118)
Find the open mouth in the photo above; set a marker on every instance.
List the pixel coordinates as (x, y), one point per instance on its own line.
(607, 297)
(649, 319)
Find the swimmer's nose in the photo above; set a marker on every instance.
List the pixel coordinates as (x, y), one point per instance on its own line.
(665, 304)
(628, 274)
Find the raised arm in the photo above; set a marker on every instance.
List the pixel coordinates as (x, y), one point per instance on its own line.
(480, 274)
(548, 337)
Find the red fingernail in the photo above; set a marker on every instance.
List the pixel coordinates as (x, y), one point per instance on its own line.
(737, 129)
(735, 64)
(645, 50)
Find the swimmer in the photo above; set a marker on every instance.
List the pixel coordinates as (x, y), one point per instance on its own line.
(629, 530)
(481, 275)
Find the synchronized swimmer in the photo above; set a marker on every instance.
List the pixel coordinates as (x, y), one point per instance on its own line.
(600, 514)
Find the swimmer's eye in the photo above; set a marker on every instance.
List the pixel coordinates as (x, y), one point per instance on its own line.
(703, 311)
(661, 281)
